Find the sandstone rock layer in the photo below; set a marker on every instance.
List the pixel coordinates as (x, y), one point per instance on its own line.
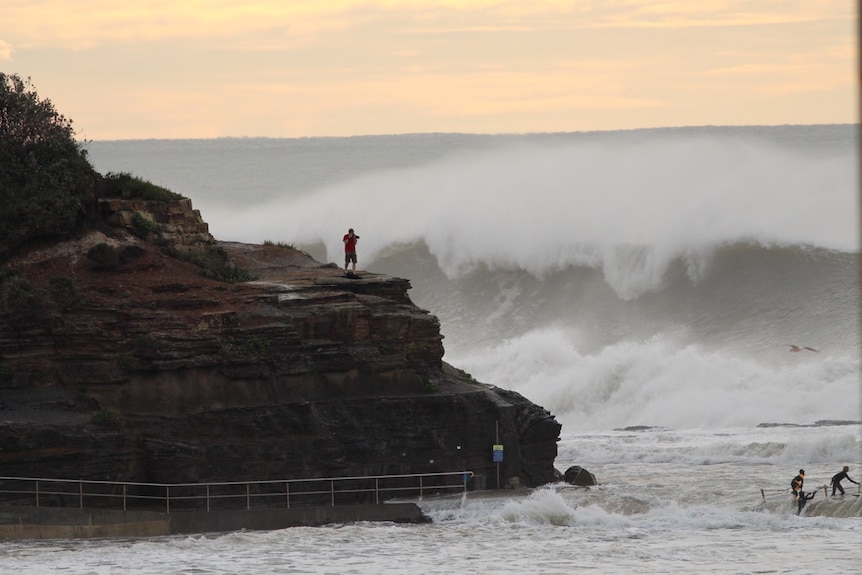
(148, 371)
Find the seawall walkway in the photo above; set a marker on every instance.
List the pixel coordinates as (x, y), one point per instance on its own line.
(41, 508)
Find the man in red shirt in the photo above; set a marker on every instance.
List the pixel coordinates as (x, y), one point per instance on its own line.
(350, 249)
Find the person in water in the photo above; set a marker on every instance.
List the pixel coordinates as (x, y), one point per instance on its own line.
(803, 499)
(796, 483)
(838, 478)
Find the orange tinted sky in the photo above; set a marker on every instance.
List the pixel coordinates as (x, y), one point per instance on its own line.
(284, 68)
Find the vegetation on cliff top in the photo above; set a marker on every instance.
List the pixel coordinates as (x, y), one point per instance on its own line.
(47, 185)
(126, 186)
(46, 182)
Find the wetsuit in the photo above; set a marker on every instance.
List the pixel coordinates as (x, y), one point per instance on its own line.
(838, 478)
(803, 499)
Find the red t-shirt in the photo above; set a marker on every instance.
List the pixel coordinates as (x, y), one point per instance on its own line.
(349, 243)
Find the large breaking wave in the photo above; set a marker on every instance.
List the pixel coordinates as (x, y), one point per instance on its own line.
(652, 277)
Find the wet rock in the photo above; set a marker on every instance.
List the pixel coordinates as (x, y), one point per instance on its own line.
(579, 476)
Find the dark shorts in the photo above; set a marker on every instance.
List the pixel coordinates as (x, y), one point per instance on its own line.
(349, 257)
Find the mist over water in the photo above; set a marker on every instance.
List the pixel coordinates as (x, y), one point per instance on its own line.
(653, 277)
(630, 208)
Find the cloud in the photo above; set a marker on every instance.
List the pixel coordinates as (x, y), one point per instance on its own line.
(339, 67)
(88, 23)
(5, 51)
(749, 69)
(716, 13)
(265, 24)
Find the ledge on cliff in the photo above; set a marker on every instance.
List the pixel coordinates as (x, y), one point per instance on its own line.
(148, 371)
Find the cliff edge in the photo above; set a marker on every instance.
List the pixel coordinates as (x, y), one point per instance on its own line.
(120, 360)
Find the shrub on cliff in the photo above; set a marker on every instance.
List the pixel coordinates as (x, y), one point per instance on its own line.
(18, 299)
(129, 187)
(103, 257)
(47, 184)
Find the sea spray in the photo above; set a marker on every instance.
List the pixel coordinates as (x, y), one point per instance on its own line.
(658, 383)
(630, 210)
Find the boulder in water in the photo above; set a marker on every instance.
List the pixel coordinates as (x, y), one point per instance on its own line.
(577, 475)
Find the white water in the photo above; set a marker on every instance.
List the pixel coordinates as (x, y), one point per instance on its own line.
(658, 383)
(669, 502)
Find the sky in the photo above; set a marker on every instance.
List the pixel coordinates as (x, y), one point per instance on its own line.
(302, 68)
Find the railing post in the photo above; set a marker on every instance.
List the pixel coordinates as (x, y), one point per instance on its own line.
(332, 491)
(37, 493)
(247, 497)
(124, 496)
(80, 494)
(377, 490)
(167, 499)
(208, 497)
(420, 487)
(287, 492)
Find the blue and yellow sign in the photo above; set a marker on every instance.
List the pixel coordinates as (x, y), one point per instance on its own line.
(497, 454)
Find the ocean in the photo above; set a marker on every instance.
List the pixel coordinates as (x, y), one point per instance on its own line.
(644, 286)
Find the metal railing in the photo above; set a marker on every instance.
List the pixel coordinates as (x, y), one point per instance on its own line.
(768, 494)
(247, 495)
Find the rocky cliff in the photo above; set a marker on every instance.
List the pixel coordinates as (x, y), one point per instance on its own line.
(119, 360)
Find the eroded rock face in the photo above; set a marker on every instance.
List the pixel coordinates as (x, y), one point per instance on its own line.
(150, 372)
(176, 223)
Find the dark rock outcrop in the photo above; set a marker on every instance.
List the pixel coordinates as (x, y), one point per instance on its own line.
(148, 371)
(579, 476)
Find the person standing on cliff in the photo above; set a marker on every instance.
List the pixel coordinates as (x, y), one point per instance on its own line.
(350, 249)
